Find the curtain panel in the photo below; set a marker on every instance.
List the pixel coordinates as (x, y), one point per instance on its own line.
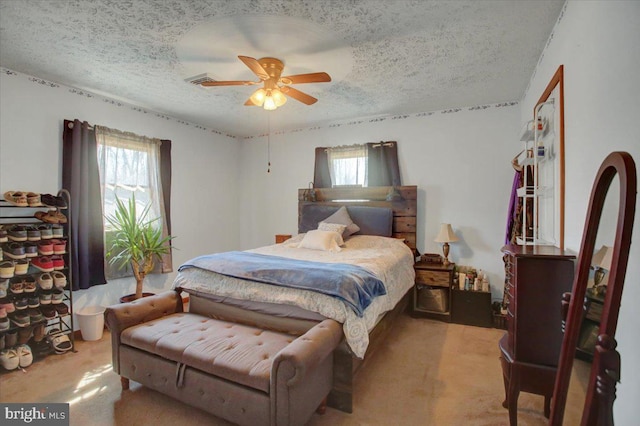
(383, 169)
(81, 178)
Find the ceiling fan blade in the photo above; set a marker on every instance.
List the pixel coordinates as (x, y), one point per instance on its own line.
(314, 77)
(255, 66)
(228, 83)
(249, 103)
(298, 95)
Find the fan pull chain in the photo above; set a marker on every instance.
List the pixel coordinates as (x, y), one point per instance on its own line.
(268, 143)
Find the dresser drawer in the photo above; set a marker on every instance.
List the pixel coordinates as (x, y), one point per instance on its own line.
(511, 326)
(434, 278)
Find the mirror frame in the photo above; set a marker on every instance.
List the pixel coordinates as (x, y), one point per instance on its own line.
(557, 81)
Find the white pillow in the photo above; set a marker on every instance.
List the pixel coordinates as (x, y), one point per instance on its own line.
(335, 227)
(322, 240)
(341, 216)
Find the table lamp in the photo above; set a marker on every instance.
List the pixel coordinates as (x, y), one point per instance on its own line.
(446, 236)
(601, 263)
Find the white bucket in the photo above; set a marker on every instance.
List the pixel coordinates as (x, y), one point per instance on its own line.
(91, 321)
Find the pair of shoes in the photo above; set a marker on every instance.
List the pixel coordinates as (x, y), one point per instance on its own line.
(17, 198)
(51, 216)
(59, 340)
(53, 201)
(20, 356)
(53, 246)
(3, 235)
(16, 285)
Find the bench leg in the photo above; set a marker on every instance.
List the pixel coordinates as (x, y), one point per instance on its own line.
(124, 382)
(322, 408)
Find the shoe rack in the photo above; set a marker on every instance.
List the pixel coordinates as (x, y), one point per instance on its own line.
(39, 339)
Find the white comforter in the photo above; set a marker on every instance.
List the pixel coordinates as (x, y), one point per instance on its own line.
(388, 258)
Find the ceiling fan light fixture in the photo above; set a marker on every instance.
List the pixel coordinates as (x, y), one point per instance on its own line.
(269, 103)
(278, 97)
(258, 97)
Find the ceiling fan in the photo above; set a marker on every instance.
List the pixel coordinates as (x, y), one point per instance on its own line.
(272, 94)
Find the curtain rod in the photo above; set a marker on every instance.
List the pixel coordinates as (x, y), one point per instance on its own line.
(375, 145)
(378, 145)
(70, 125)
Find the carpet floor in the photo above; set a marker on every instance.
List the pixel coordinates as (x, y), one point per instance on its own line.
(428, 373)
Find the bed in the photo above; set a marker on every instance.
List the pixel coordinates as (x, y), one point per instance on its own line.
(384, 246)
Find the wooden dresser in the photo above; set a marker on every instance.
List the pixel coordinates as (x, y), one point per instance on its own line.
(536, 277)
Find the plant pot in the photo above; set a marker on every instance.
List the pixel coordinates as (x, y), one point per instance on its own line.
(132, 297)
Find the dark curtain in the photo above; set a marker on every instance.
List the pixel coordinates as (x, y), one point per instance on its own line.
(321, 176)
(165, 175)
(383, 168)
(81, 178)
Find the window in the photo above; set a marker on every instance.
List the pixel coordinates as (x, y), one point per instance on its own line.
(130, 166)
(348, 165)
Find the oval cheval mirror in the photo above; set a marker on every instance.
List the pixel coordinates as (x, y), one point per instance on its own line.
(605, 369)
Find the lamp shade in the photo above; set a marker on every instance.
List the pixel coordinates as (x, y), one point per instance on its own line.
(602, 258)
(278, 97)
(446, 234)
(258, 97)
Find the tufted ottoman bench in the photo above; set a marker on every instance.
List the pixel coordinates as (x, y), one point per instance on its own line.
(244, 374)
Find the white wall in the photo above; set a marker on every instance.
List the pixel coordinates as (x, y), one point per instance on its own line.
(460, 161)
(204, 189)
(598, 44)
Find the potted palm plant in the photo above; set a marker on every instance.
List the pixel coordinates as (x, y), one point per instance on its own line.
(137, 241)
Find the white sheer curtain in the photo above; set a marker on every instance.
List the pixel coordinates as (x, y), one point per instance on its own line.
(348, 165)
(130, 165)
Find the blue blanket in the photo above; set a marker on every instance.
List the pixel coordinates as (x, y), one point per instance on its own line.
(354, 285)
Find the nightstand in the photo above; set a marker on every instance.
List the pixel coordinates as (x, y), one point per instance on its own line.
(281, 238)
(432, 290)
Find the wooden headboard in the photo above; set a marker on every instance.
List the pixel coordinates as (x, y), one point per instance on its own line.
(403, 203)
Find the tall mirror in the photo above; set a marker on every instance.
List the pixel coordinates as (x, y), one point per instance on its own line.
(597, 405)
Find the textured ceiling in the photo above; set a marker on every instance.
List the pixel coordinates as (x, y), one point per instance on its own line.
(385, 57)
